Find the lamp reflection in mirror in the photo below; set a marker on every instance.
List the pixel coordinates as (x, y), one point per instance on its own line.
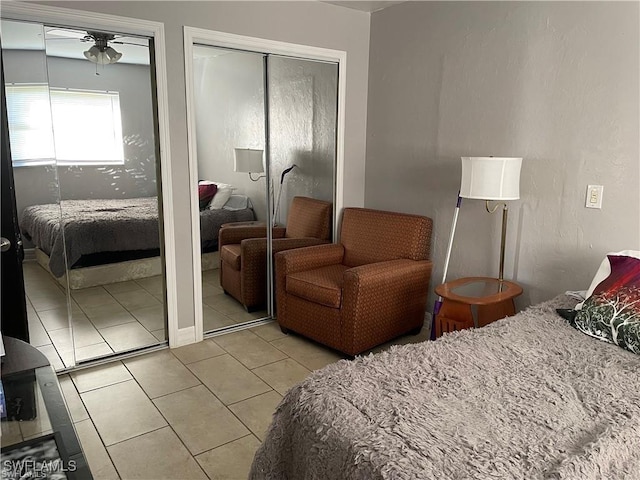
(489, 179)
(248, 160)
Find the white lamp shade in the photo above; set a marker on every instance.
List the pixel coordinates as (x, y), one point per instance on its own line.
(491, 178)
(248, 160)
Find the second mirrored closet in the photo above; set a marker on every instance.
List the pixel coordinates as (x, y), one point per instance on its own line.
(265, 154)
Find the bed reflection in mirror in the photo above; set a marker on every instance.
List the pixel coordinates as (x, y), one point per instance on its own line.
(88, 199)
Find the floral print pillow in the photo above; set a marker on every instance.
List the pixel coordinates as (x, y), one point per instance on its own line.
(612, 312)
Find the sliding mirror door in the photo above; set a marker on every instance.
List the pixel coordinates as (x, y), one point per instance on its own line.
(104, 252)
(103, 122)
(228, 104)
(36, 181)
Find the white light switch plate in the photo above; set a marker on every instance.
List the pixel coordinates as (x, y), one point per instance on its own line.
(594, 196)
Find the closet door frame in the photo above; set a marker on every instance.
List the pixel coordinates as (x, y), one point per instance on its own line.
(199, 36)
(91, 20)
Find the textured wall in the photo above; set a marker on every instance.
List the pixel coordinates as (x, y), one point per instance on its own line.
(555, 83)
(229, 111)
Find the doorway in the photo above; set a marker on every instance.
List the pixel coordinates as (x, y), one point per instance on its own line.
(245, 98)
(92, 109)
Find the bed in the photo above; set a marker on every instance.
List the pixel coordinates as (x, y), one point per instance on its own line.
(527, 397)
(109, 231)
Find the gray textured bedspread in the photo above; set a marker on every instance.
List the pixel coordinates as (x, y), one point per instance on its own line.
(527, 397)
(93, 226)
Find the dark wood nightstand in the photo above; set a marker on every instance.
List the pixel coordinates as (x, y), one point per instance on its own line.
(474, 302)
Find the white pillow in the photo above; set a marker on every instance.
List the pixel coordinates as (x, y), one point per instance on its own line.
(222, 196)
(605, 270)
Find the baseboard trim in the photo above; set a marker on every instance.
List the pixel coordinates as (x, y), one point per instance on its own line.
(184, 336)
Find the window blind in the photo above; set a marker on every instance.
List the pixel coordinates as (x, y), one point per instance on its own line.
(74, 127)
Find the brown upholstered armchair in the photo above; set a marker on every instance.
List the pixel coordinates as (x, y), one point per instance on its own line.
(364, 291)
(243, 248)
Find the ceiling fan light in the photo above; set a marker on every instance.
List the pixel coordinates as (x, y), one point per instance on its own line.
(113, 55)
(92, 54)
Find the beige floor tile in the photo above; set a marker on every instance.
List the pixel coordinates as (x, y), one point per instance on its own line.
(282, 375)
(101, 376)
(201, 421)
(224, 304)
(92, 297)
(212, 319)
(57, 318)
(197, 351)
(95, 453)
(151, 318)
(136, 299)
(241, 317)
(257, 412)
(269, 332)
(212, 276)
(231, 461)
(37, 333)
(52, 355)
(228, 378)
(121, 411)
(40, 287)
(84, 334)
(160, 335)
(251, 350)
(160, 373)
(211, 288)
(72, 399)
(119, 287)
(153, 285)
(157, 455)
(48, 301)
(93, 351)
(109, 315)
(127, 336)
(307, 353)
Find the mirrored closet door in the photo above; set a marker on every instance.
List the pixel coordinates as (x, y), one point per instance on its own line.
(265, 130)
(85, 162)
(232, 184)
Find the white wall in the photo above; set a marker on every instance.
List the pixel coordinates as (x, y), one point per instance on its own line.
(308, 23)
(556, 83)
(229, 111)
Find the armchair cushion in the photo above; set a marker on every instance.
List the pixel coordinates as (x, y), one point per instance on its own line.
(371, 236)
(321, 285)
(309, 217)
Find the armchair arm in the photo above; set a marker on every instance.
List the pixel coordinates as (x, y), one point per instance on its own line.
(282, 244)
(234, 233)
(391, 295)
(253, 276)
(307, 258)
(299, 259)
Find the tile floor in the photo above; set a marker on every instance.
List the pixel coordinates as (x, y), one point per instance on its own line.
(194, 412)
(112, 318)
(198, 411)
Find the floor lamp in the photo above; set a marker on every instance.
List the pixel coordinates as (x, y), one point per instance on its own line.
(489, 179)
